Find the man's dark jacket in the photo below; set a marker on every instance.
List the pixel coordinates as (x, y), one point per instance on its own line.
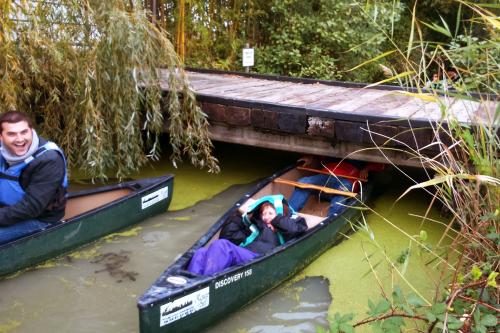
(45, 197)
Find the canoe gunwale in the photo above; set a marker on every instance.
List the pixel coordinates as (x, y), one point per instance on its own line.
(63, 237)
(171, 292)
(137, 186)
(201, 280)
(212, 231)
(148, 184)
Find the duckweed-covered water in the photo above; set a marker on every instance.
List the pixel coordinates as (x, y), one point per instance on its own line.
(95, 288)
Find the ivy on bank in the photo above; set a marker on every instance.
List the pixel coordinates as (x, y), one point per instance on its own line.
(324, 39)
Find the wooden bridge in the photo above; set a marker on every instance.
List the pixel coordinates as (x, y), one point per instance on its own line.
(324, 117)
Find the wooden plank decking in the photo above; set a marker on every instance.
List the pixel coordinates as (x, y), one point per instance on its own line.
(327, 118)
(375, 102)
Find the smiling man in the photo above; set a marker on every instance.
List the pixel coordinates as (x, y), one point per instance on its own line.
(33, 178)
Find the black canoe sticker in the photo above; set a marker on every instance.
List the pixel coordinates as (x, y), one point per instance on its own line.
(152, 198)
(184, 306)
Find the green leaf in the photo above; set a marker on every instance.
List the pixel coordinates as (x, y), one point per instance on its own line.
(397, 295)
(412, 32)
(441, 317)
(476, 273)
(346, 328)
(489, 320)
(393, 323)
(320, 329)
(438, 28)
(392, 78)
(454, 323)
(373, 59)
(492, 279)
(407, 310)
(446, 27)
(334, 327)
(376, 328)
(493, 236)
(415, 300)
(479, 329)
(382, 307)
(477, 317)
(423, 235)
(438, 308)
(490, 5)
(347, 317)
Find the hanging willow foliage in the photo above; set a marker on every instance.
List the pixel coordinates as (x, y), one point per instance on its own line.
(88, 73)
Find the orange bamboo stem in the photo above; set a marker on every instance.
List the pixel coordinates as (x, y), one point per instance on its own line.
(330, 173)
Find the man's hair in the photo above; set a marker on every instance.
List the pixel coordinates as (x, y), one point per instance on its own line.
(13, 117)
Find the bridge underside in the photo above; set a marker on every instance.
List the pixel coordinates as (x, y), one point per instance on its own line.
(307, 145)
(384, 142)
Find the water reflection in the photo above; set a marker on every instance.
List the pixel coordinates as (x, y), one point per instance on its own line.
(295, 307)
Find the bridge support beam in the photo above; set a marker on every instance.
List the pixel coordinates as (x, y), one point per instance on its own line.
(307, 145)
(316, 132)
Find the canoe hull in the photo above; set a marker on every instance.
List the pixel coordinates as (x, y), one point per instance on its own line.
(198, 302)
(87, 227)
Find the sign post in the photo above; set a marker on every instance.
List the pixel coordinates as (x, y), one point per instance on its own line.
(248, 58)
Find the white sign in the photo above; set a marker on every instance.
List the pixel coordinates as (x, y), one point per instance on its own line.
(248, 57)
(184, 306)
(152, 198)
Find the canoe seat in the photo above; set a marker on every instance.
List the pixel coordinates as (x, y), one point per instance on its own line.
(311, 220)
(79, 205)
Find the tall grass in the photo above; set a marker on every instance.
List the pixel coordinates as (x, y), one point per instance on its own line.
(463, 170)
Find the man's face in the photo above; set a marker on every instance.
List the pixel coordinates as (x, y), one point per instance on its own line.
(16, 137)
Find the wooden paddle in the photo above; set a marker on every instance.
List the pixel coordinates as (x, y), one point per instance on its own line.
(330, 173)
(315, 187)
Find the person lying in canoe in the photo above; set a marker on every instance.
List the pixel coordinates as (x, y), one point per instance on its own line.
(267, 223)
(343, 175)
(33, 178)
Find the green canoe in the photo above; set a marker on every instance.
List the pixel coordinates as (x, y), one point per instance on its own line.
(180, 301)
(90, 214)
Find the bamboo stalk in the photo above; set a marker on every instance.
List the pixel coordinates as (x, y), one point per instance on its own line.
(331, 173)
(181, 33)
(315, 187)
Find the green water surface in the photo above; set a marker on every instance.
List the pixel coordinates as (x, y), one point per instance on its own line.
(78, 294)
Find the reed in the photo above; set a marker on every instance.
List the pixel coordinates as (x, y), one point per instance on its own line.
(463, 173)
